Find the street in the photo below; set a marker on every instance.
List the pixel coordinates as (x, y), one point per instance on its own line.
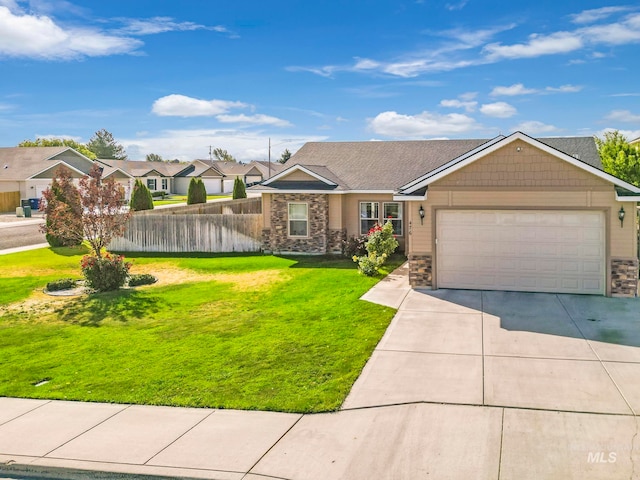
(20, 235)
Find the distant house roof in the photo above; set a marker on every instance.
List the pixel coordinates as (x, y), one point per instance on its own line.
(143, 168)
(20, 163)
(635, 141)
(386, 166)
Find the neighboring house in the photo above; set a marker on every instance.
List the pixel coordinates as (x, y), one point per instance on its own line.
(219, 176)
(30, 170)
(157, 176)
(635, 142)
(510, 213)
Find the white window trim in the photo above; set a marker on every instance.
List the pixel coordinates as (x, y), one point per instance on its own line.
(164, 183)
(360, 218)
(399, 219)
(306, 204)
(155, 183)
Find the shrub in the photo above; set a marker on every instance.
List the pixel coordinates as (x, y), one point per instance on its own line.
(381, 240)
(141, 197)
(354, 246)
(238, 189)
(197, 192)
(380, 244)
(63, 211)
(62, 284)
(105, 273)
(159, 193)
(141, 279)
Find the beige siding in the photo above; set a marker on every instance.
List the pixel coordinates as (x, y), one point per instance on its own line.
(529, 167)
(299, 176)
(529, 179)
(9, 186)
(335, 212)
(351, 213)
(266, 210)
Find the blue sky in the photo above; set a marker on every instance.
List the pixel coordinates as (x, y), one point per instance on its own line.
(173, 78)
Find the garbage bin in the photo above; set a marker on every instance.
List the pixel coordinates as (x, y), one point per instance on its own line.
(25, 203)
(27, 211)
(34, 203)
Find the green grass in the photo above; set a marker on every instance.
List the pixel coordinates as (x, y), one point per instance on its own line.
(246, 332)
(173, 199)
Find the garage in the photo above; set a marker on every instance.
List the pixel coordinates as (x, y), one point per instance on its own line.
(212, 185)
(560, 251)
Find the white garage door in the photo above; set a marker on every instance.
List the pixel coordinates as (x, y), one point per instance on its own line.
(534, 251)
(212, 185)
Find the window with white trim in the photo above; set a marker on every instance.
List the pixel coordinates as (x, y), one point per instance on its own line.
(393, 211)
(165, 183)
(151, 183)
(369, 213)
(298, 220)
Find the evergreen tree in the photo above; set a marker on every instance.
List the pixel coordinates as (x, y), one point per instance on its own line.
(104, 146)
(286, 155)
(197, 192)
(141, 198)
(238, 189)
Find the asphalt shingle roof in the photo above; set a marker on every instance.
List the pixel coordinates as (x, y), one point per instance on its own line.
(389, 165)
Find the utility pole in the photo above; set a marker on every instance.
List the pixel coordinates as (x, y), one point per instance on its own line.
(269, 157)
(210, 154)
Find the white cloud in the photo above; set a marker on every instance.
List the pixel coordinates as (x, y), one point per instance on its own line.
(469, 106)
(620, 33)
(513, 90)
(564, 89)
(182, 106)
(624, 116)
(425, 124)
(555, 43)
(257, 119)
(593, 15)
(151, 26)
(628, 134)
(533, 127)
(187, 145)
(498, 110)
(39, 37)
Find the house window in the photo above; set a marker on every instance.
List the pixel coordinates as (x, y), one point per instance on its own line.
(393, 211)
(164, 182)
(298, 220)
(151, 183)
(368, 216)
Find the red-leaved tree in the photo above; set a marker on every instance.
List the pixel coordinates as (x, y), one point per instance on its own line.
(93, 211)
(104, 215)
(63, 211)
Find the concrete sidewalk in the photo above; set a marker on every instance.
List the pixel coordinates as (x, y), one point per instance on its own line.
(422, 408)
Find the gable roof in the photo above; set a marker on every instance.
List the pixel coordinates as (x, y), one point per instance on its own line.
(576, 144)
(409, 166)
(142, 168)
(20, 163)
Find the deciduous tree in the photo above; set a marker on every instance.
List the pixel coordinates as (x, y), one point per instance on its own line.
(63, 211)
(154, 157)
(59, 142)
(618, 157)
(223, 155)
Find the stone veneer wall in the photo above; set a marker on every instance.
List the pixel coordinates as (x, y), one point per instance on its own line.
(336, 237)
(420, 271)
(278, 236)
(624, 277)
(266, 240)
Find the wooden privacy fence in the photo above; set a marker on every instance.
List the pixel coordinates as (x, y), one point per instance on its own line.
(9, 201)
(191, 233)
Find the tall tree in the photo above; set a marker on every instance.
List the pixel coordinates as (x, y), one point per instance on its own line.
(618, 157)
(141, 198)
(286, 155)
(223, 155)
(154, 157)
(104, 145)
(59, 142)
(63, 211)
(238, 189)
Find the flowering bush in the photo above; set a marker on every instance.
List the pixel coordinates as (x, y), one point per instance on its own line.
(355, 246)
(380, 244)
(105, 273)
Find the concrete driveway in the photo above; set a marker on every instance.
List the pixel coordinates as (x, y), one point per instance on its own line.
(529, 350)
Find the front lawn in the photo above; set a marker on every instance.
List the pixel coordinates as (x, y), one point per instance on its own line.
(246, 332)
